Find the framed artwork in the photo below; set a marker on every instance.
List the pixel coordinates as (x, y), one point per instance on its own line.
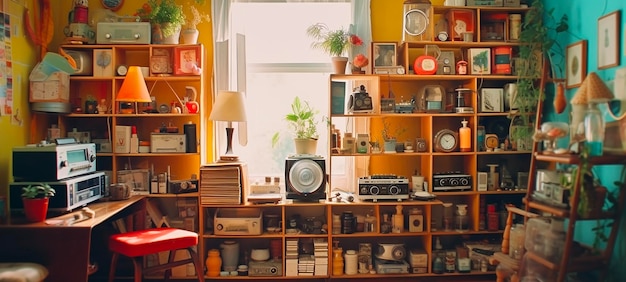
(479, 60)
(187, 60)
(491, 100)
(385, 54)
(608, 40)
(576, 63)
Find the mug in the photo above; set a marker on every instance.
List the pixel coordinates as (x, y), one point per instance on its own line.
(119, 191)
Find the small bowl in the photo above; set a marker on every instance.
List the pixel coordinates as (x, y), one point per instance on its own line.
(260, 254)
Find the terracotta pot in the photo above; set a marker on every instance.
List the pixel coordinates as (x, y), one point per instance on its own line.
(339, 64)
(36, 210)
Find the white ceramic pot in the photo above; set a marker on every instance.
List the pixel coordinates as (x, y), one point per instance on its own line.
(260, 254)
(190, 36)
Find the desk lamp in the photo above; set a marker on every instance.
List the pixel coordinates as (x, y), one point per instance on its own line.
(134, 88)
(229, 107)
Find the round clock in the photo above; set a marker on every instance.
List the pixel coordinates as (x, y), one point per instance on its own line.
(112, 5)
(420, 144)
(491, 142)
(446, 141)
(415, 22)
(122, 70)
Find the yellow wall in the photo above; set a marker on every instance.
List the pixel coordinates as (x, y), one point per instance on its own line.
(387, 19)
(12, 133)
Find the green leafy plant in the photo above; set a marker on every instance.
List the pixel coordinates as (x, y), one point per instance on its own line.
(538, 41)
(161, 12)
(389, 133)
(38, 191)
(333, 42)
(302, 121)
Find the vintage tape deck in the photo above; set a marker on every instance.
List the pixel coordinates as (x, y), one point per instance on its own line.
(265, 268)
(383, 187)
(238, 221)
(123, 33)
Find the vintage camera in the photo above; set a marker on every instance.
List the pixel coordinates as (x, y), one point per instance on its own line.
(182, 186)
(360, 102)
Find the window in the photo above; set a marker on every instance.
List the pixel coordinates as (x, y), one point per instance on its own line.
(280, 64)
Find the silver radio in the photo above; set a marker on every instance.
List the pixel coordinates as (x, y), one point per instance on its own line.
(167, 143)
(238, 221)
(123, 33)
(452, 182)
(383, 187)
(265, 268)
(70, 194)
(51, 162)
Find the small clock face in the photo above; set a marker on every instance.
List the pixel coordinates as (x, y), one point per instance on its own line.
(415, 22)
(420, 143)
(442, 36)
(446, 140)
(491, 141)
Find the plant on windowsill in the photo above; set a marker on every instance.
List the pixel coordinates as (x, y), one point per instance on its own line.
(302, 122)
(35, 198)
(333, 42)
(537, 41)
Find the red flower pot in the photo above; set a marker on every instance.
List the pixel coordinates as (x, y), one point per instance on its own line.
(35, 209)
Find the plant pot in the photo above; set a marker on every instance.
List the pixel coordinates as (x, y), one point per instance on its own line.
(190, 35)
(159, 37)
(339, 64)
(305, 146)
(36, 210)
(389, 147)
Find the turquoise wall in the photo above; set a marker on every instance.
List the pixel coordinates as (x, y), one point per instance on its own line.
(583, 20)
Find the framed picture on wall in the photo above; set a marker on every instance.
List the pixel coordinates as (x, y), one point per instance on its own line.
(385, 54)
(479, 60)
(576, 63)
(608, 40)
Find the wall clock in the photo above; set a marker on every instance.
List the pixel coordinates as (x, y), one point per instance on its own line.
(446, 141)
(491, 142)
(112, 5)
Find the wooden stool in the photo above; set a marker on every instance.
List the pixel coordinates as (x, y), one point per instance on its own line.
(137, 244)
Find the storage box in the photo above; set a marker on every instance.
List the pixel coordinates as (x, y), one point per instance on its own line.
(55, 88)
(485, 2)
(122, 139)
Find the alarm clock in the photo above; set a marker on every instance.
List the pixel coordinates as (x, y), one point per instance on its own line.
(491, 142)
(420, 144)
(425, 64)
(360, 101)
(446, 141)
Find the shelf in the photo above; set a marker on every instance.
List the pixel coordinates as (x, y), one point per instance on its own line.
(262, 236)
(575, 159)
(463, 44)
(169, 195)
(156, 154)
(576, 264)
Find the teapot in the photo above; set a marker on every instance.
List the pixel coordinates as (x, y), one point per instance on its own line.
(119, 191)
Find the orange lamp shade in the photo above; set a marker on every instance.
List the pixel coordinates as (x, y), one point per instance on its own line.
(134, 87)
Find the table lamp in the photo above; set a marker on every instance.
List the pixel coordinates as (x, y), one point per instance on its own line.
(134, 88)
(229, 107)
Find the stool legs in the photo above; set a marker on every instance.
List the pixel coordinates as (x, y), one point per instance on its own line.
(138, 265)
(113, 264)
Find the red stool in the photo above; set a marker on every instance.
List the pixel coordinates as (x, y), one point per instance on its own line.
(137, 244)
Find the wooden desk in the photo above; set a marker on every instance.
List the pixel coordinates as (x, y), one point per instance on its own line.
(66, 250)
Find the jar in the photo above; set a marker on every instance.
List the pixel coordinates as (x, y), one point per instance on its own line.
(213, 263)
(594, 130)
(348, 223)
(516, 241)
(338, 261)
(351, 262)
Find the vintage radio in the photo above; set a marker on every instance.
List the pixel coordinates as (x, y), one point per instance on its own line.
(182, 186)
(238, 221)
(265, 268)
(57, 161)
(452, 182)
(360, 101)
(71, 193)
(391, 266)
(167, 143)
(383, 187)
(123, 33)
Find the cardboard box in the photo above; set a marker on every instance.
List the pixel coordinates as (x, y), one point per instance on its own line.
(122, 139)
(55, 88)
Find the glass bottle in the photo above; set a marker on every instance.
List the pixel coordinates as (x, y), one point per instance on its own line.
(594, 130)
(465, 134)
(213, 263)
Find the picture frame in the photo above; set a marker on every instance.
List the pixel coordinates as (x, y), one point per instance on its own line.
(384, 54)
(137, 179)
(608, 40)
(576, 67)
(479, 60)
(491, 100)
(187, 60)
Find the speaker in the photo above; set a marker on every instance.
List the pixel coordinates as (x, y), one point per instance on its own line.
(191, 143)
(305, 178)
(482, 181)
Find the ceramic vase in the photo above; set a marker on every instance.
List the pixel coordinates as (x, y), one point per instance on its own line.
(190, 35)
(305, 146)
(213, 263)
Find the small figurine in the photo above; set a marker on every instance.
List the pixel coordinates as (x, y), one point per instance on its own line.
(102, 107)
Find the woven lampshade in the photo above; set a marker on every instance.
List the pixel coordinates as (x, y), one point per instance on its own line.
(592, 89)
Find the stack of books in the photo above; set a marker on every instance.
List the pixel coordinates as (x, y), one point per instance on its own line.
(320, 252)
(291, 257)
(306, 265)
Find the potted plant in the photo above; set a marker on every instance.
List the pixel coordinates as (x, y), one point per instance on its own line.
(333, 42)
(35, 198)
(538, 39)
(358, 63)
(190, 31)
(166, 18)
(390, 137)
(303, 124)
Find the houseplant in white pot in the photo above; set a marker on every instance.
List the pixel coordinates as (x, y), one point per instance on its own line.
(166, 18)
(302, 123)
(334, 42)
(35, 198)
(190, 31)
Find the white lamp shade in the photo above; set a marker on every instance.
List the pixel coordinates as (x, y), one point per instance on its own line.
(228, 106)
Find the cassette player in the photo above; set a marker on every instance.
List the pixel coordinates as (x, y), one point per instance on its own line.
(265, 268)
(383, 187)
(167, 143)
(452, 182)
(182, 186)
(238, 221)
(123, 33)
